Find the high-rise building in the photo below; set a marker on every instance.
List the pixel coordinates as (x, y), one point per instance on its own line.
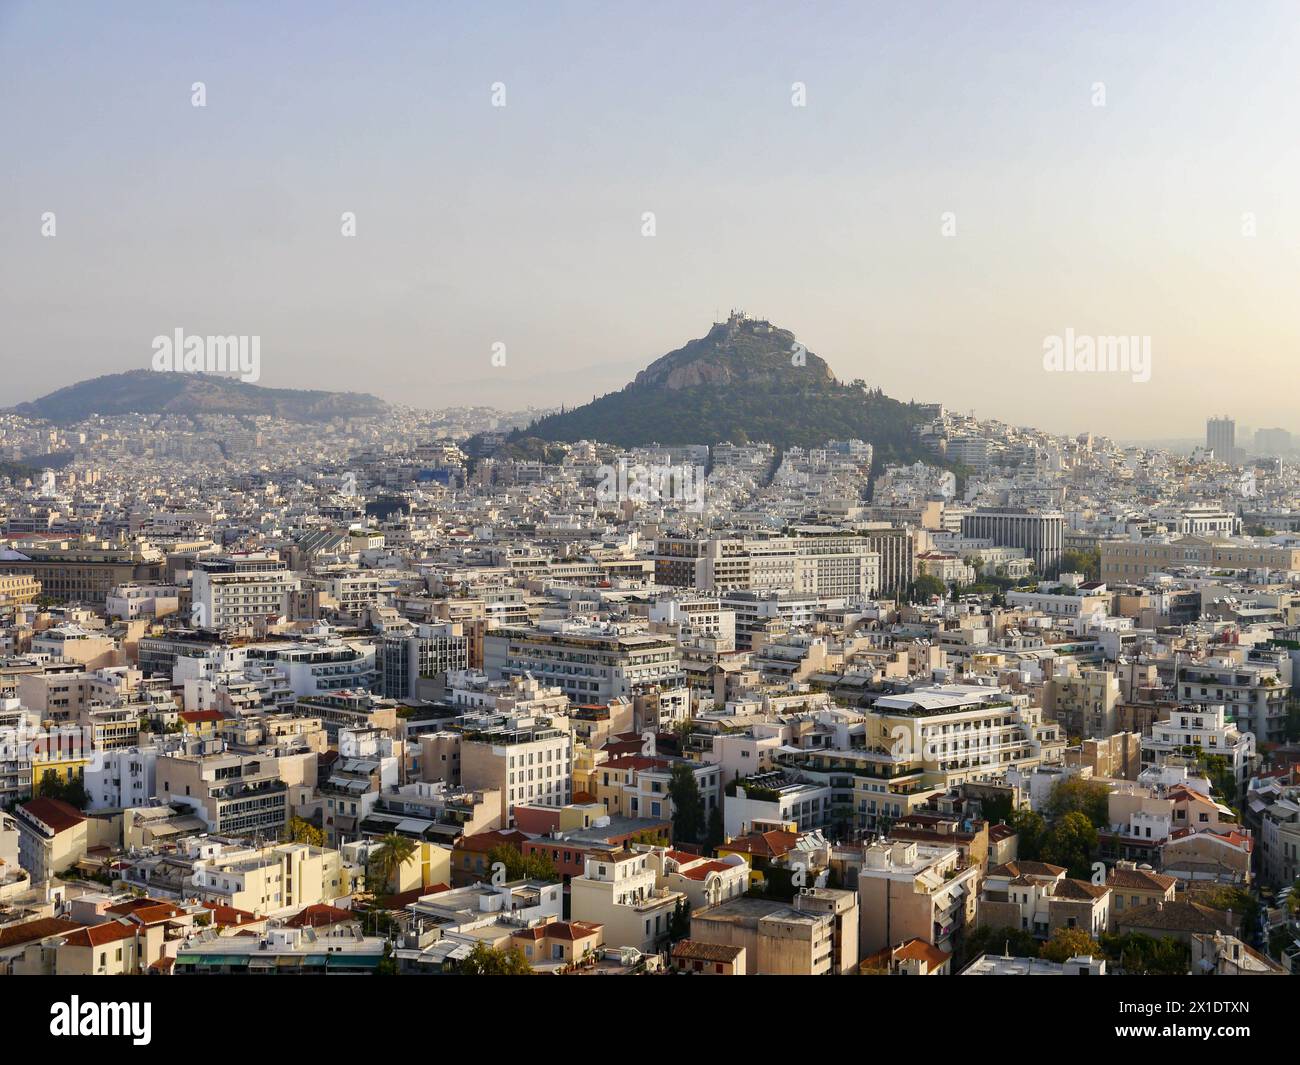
(1221, 438)
(1272, 442)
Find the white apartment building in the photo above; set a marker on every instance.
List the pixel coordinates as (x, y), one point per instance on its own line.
(590, 663)
(618, 890)
(123, 778)
(770, 798)
(241, 592)
(1206, 727)
(817, 560)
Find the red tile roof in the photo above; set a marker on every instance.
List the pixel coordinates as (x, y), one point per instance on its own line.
(919, 950)
(229, 916)
(319, 916)
(702, 871)
(97, 935)
(57, 814)
(15, 935)
(195, 717)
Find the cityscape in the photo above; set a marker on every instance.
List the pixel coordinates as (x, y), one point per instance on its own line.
(615, 638)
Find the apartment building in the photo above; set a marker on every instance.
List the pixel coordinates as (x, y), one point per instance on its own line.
(778, 939)
(427, 653)
(274, 879)
(241, 592)
(589, 663)
(1252, 694)
(618, 889)
(123, 778)
(768, 798)
(18, 588)
(83, 572)
(1039, 898)
(964, 732)
(234, 794)
(819, 560)
(909, 890)
(523, 758)
(1199, 728)
(52, 836)
(1085, 704)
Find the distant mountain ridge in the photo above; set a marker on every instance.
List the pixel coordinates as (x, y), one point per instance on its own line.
(153, 392)
(746, 379)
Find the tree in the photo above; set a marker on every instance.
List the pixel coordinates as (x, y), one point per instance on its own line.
(492, 961)
(1006, 940)
(679, 924)
(924, 587)
(1086, 562)
(387, 964)
(1067, 943)
(72, 791)
(393, 852)
(1074, 794)
(1031, 830)
(1071, 842)
(688, 806)
(715, 835)
(520, 866)
(997, 809)
(303, 831)
(1140, 955)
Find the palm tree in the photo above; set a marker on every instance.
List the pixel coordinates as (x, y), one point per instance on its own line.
(393, 852)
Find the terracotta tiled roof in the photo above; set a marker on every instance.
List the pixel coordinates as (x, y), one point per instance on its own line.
(15, 935)
(764, 844)
(1023, 868)
(59, 815)
(919, 950)
(229, 916)
(318, 916)
(194, 717)
(1141, 879)
(1177, 917)
(634, 761)
(702, 871)
(1079, 889)
(96, 935)
(693, 950)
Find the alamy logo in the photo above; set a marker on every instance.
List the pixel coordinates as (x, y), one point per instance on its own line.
(1086, 354)
(212, 354)
(681, 485)
(77, 1018)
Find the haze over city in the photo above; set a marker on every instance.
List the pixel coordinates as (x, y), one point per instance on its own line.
(522, 224)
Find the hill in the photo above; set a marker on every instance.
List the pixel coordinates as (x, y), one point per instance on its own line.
(151, 392)
(745, 380)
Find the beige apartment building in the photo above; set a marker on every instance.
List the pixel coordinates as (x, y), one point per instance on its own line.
(778, 939)
(909, 890)
(52, 835)
(964, 732)
(234, 794)
(618, 889)
(272, 879)
(524, 760)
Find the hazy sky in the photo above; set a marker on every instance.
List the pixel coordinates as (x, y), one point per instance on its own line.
(523, 224)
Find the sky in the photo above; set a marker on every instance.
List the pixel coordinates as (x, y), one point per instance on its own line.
(962, 182)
